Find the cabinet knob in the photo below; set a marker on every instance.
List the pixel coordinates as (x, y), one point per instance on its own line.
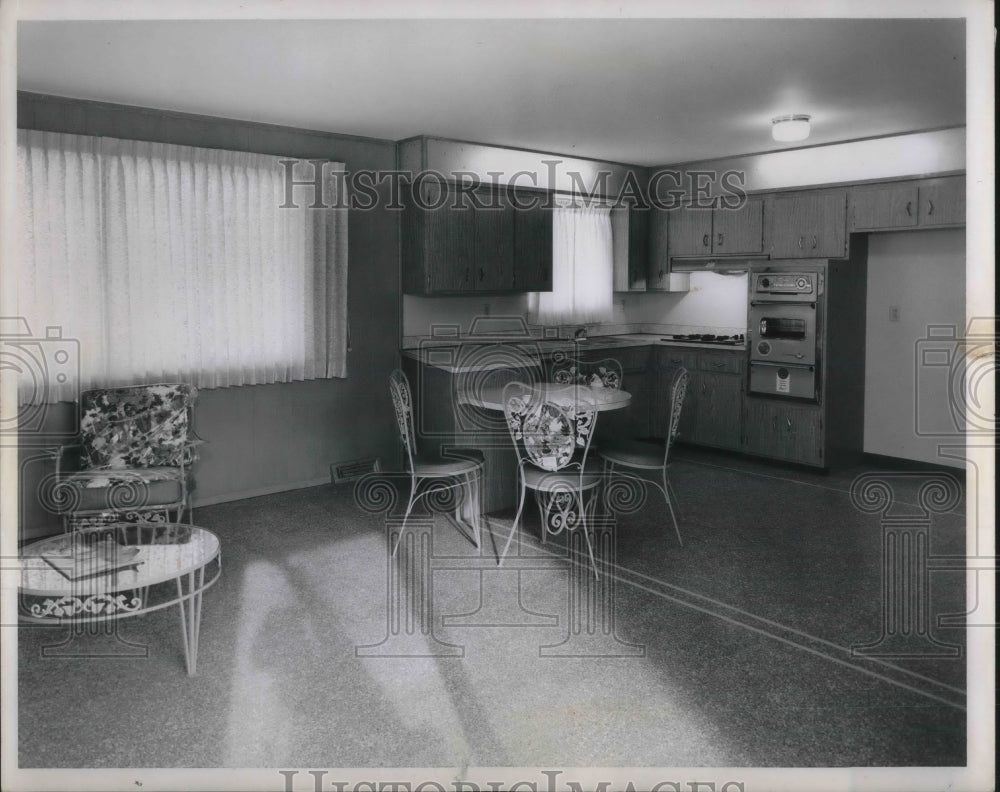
(800, 243)
(719, 240)
(481, 273)
(466, 274)
(930, 207)
(815, 242)
(705, 240)
(909, 208)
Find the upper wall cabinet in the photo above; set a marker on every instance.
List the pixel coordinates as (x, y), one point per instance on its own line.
(532, 241)
(808, 225)
(630, 236)
(718, 231)
(912, 204)
(659, 278)
(464, 244)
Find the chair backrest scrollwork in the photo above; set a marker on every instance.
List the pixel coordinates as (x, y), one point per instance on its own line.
(678, 389)
(551, 427)
(402, 404)
(568, 370)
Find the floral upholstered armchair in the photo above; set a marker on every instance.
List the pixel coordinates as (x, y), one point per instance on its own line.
(135, 454)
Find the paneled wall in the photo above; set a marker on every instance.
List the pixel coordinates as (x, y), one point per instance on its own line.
(261, 438)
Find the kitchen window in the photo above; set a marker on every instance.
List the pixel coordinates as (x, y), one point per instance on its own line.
(582, 269)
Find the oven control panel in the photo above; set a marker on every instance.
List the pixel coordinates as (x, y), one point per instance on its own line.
(798, 283)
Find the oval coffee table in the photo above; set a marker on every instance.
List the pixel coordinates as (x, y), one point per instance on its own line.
(106, 572)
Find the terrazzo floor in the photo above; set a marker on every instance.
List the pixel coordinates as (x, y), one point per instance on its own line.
(733, 650)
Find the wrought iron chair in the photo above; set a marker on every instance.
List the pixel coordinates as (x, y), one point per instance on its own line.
(646, 456)
(569, 370)
(551, 429)
(456, 468)
(134, 457)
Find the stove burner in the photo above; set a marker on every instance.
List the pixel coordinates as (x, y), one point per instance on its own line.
(709, 338)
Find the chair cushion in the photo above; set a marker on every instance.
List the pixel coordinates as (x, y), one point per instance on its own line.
(430, 466)
(633, 453)
(136, 426)
(546, 481)
(117, 490)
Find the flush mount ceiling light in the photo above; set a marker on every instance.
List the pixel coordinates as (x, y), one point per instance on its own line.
(789, 128)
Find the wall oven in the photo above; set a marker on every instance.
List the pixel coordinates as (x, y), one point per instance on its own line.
(784, 331)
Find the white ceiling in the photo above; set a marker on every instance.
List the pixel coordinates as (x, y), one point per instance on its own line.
(642, 91)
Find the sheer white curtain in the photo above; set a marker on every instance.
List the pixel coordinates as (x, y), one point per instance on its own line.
(177, 263)
(582, 269)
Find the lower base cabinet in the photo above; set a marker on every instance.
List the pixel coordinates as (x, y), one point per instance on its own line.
(713, 405)
(717, 415)
(785, 431)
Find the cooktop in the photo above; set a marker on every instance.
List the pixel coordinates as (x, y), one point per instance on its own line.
(708, 338)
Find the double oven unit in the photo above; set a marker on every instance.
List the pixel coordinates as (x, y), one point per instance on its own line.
(785, 325)
(806, 358)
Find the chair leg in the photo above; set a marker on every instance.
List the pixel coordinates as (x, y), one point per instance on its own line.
(586, 535)
(673, 494)
(474, 484)
(544, 507)
(513, 529)
(406, 516)
(670, 506)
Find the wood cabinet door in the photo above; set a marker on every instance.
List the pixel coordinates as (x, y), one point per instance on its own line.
(719, 416)
(942, 202)
(737, 231)
(793, 433)
(809, 225)
(494, 269)
(449, 241)
(638, 249)
(690, 231)
(658, 263)
(532, 265)
(883, 206)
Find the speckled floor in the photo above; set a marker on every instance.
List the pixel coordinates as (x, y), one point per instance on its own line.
(733, 650)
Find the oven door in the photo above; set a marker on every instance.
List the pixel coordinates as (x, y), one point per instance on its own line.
(783, 333)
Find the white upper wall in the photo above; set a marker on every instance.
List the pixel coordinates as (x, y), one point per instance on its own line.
(917, 154)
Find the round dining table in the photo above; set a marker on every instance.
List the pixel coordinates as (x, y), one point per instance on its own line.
(490, 397)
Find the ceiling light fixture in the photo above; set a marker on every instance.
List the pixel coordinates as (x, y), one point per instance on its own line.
(789, 128)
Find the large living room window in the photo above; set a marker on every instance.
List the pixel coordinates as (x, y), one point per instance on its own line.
(178, 263)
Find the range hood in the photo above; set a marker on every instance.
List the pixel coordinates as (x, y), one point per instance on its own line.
(724, 265)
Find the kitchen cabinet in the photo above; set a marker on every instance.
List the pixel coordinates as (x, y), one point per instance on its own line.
(808, 225)
(883, 206)
(942, 202)
(782, 430)
(477, 243)
(630, 236)
(718, 415)
(912, 204)
(659, 278)
(667, 361)
(532, 241)
(719, 231)
(712, 411)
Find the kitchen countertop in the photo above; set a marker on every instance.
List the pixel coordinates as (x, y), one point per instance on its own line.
(468, 355)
